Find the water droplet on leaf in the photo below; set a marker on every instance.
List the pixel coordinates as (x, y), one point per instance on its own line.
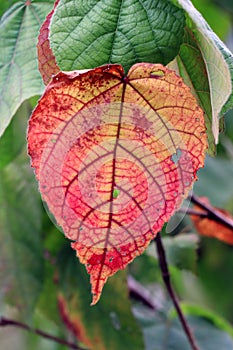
(115, 320)
(176, 156)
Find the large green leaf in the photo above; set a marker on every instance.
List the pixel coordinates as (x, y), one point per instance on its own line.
(216, 320)
(19, 75)
(107, 325)
(21, 254)
(196, 76)
(163, 332)
(218, 62)
(85, 34)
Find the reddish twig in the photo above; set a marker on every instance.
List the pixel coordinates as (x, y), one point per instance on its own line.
(166, 278)
(212, 213)
(4, 322)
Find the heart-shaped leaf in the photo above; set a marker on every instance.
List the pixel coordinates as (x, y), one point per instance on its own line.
(87, 34)
(115, 155)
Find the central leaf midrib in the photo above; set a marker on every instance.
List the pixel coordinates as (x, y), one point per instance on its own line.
(113, 184)
(115, 33)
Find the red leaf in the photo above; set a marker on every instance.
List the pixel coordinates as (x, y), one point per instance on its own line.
(46, 60)
(210, 227)
(115, 156)
(75, 326)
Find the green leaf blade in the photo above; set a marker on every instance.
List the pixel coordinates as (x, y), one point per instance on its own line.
(19, 75)
(123, 32)
(218, 69)
(192, 68)
(166, 331)
(108, 325)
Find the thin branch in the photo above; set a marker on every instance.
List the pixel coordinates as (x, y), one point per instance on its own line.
(166, 278)
(190, 211)
(4, 322)
(213, 213)
(138, 292)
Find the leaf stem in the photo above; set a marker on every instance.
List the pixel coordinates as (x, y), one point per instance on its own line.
(8, 322)
(212, 213)
(138, 292)
(166, 278)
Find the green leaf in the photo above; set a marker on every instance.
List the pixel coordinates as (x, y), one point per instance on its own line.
(13, 140)
(218, 18)
(21, 255)
(107, 325)
(86, 34)
(52, 244)
(181, 250)
(228, 56)
(5, 4)
(19, 75)
(145, 268)
(163, 332)
(216, 171)
(216, 320)
(191, 66)
(214, 271)
(218, 61)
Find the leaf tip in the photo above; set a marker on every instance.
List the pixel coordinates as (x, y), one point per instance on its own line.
(95, 299)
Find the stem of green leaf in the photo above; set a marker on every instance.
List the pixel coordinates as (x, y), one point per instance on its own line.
(166, 278)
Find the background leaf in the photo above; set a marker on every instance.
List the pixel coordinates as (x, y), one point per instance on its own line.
(108, 325)
(14, 137)
(216, 171)
(181, 250)
(163, 331)
(191, 66)
(89, 34)
(19, 75)
(218, 61)
(21, 252)
(217, 17)
(5, 4)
